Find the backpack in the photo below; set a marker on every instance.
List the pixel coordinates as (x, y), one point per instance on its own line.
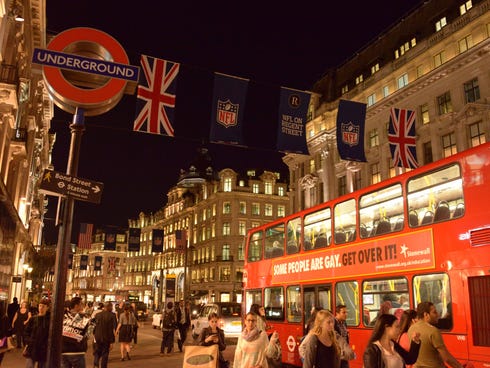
(168, 320)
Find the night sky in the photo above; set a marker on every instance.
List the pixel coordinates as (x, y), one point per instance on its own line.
(289, 45)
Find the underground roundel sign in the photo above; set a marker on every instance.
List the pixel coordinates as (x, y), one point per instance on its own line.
(87, 68)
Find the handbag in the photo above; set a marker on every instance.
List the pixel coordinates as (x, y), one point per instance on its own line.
(202, 356)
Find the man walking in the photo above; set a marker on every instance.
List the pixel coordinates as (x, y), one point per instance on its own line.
(74, 342)
(183, 322)
(12, 308)
(169, 322)
(341, 328)
(104, 335)
(433, 353)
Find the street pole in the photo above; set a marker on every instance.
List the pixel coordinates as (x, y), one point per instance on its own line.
(63, 245)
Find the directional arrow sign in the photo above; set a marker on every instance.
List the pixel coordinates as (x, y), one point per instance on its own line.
(59, 184)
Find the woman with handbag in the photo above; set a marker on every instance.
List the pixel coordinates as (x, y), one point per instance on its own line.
(125, 331)
(212, 335)
(21, 318)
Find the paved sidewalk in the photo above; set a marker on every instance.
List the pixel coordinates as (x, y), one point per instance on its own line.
(146, 354)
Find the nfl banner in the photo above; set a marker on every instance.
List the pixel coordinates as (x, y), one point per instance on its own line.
(293, 108)
(98, 263)
(110, 240)
(351, 118)
(70, 261)
(83, 262)
(180, 240)
(156, 96)
(157, 241)
(111, 264)
(134, 240)
(228, 109)
(401, 135)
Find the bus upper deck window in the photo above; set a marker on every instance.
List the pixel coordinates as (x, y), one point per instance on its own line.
(436, 196)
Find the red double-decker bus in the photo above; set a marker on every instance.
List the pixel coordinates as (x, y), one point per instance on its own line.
(421, 236)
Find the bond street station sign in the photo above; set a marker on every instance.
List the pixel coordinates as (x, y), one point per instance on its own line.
(86, 68)
(56, 183)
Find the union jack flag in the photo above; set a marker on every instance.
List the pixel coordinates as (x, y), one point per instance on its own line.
(111, 264)
(156, 90)
(401, 135)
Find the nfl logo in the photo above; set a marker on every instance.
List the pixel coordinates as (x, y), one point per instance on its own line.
(350, 134)
(227, 113)
(157, 241)
(110, 238)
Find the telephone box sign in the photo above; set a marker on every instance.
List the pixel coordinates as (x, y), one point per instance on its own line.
(96, 83)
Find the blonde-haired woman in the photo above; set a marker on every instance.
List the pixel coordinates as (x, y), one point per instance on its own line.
(322, 349)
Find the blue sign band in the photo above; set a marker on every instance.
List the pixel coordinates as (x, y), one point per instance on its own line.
(86, 65)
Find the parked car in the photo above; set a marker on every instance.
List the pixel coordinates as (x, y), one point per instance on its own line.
(229, 318)
(141, 311)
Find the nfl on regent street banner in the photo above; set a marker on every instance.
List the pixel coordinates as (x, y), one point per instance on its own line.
(134, 240)
(293, 108)
(98, 263)
(157, 241)
(228, 109)
(351, 117)
(110, 240)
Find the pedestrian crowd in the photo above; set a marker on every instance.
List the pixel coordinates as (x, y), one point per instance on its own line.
(407, 340)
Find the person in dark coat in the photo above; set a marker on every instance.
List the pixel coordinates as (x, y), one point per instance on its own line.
(36, 335)
(4, 326)
(104, 335)
(183, 312)
(12, 309)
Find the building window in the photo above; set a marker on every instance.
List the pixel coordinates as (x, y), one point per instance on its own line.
(444, 103)
(226, 208)
(375, 173)
(342, 185)
(465, 43)
(280, 191)
(449, 145)
(224, 274)
(424, 113)
(243, 208)
(439, 59)
(371, 100)
(374, 68)
(255, 209)
(386, 91)
(441, 23)
(241, 253)
(226, 252)
(312, 165)
(471, 91)
(226, 228)
(392, 171)
(356, 180)
(427, 151)
(420, 71)
(281, 211)
(373, 138)
(404, 47)
(268, 187)
(359, 79)
(463, 8)
(227, 185)
(242, 227)
(345, 89)
(255, 188)
(268, 210)
(403, 81)
(477, 134)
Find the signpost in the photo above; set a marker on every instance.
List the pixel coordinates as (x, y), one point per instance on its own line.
(86, 86)
(56, 183)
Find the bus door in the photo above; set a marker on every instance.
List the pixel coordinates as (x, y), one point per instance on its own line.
(316, 296)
